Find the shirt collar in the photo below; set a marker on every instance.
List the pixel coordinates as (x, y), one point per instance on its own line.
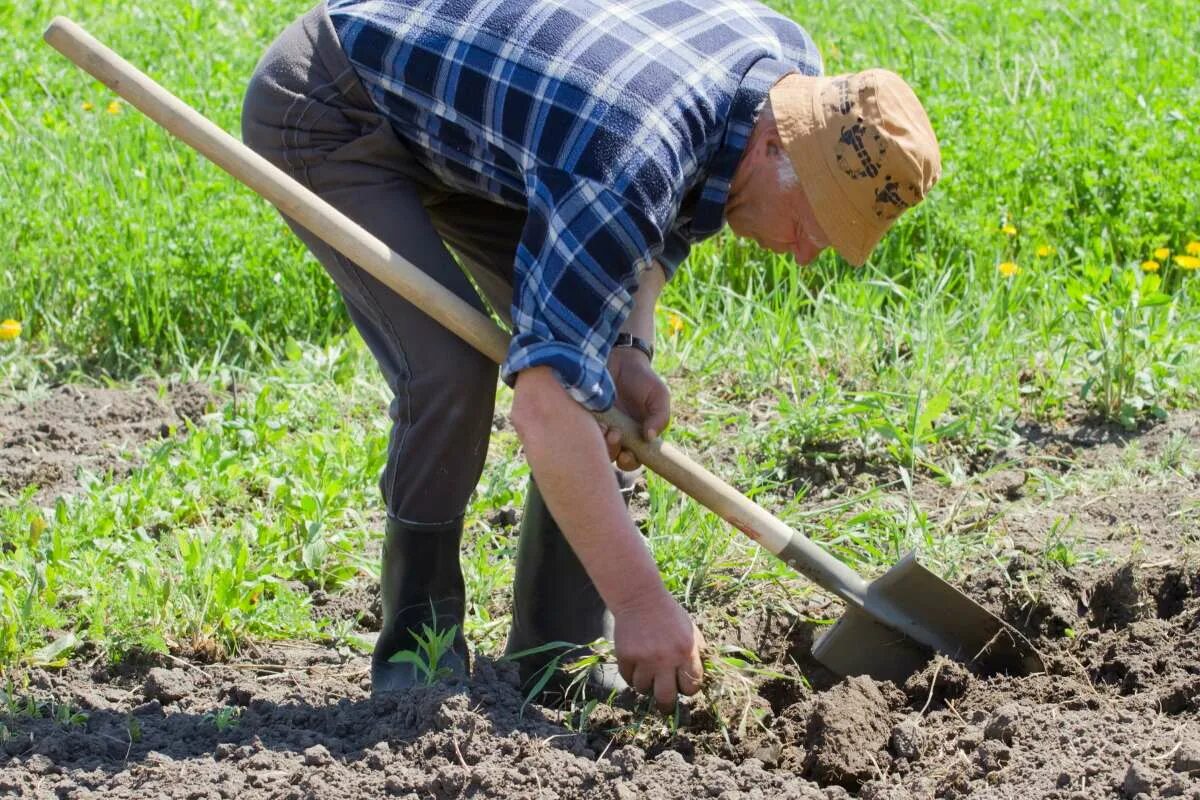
(708, 216)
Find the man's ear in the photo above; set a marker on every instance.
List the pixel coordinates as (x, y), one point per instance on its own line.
(767, 132)
(765, 145)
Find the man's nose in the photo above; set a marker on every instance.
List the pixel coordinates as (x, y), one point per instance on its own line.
(805, 252)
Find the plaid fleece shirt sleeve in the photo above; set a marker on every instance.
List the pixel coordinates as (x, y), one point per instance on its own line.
(577, 266)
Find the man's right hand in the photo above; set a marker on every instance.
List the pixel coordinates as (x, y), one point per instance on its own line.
(658, 649)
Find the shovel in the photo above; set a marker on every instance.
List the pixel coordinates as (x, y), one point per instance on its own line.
(891, 626)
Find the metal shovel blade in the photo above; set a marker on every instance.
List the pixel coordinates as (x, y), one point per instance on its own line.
(909, 613)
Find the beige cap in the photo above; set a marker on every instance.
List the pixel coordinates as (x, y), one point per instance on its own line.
(863, 149)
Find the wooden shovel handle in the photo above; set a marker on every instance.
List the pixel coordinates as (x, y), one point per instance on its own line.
(342, 233)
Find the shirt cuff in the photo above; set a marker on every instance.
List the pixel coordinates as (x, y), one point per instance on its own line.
(584, 377)
(674, 252)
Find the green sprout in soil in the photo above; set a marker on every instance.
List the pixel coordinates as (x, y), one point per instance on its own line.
(566, 660)
(223, 719)
(133, 728)
(432, 645)
(67, 716)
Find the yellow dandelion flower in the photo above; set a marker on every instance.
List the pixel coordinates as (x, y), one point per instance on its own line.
(9, 329)
(1008, 229)
(87, 106)
(1150, 266)
(1187, 262)
(1045, 251)
(114, 107)
(675, 322)
(1008, 269)
(1161, 253)
(1193, 248)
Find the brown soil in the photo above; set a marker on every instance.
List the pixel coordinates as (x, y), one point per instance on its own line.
(1095, 491)
(1117, 714)
(1151, 512)
(47, 441)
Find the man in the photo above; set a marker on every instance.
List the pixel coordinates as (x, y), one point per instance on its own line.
(568, 153)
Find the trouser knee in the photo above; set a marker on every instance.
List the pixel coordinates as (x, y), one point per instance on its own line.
(439, 444)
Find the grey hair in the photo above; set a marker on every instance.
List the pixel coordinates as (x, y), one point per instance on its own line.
(783, 165)
(786, 172)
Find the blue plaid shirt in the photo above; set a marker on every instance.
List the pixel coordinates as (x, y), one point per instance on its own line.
(617, 125)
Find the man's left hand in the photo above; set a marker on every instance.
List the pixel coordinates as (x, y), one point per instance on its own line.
(642, 395)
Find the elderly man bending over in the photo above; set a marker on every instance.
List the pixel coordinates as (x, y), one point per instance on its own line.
(567, 153)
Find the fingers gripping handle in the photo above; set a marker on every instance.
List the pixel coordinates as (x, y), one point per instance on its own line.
(400, 275)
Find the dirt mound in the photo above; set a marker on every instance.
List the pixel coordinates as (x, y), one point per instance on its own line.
(846, 726)
(1116, 716)
(45, 442)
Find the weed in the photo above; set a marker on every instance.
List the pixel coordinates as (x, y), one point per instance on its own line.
(1125, 324)
(223, 719)
(206, 542)
(570, 662)
(579, 716)
(908, 438)
(66, 716)
(1175, 454)
(427, 657)
(1058, 549)
(732, 677)
(133, 728)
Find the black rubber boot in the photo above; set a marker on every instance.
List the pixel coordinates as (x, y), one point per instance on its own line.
(554, 600)
(420, 584)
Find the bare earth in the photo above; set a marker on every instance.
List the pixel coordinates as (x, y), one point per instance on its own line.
(44, 443)
(1116, 715)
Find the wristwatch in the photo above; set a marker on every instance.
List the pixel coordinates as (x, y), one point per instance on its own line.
(629, 340)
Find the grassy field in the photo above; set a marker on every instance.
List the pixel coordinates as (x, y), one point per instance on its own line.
(1018, 292)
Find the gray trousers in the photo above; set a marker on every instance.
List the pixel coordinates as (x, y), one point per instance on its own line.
(306, 112)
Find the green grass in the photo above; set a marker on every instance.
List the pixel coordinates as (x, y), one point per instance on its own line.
(124, 254)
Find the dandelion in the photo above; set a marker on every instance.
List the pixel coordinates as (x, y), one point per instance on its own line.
(1008, 269)
(114, 107)
(87, 106)
(1161, 253)
(1008, 229)
(1193, 248)
(1045, 251)
(1150, 266)
(675, 323)
(9, 329)
(1187, 262)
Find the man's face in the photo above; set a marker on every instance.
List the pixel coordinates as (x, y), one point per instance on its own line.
(776, 216)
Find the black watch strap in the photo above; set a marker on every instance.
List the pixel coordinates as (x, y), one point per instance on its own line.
(629, 340)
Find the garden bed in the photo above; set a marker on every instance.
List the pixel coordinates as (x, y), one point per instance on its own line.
(1117, 615)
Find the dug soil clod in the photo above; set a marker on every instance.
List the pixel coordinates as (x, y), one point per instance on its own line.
(847, 732)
